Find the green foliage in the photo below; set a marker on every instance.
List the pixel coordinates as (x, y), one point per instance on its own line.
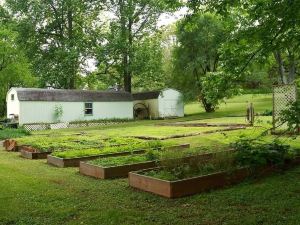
(58, 112)
(264, 29)
(291, 116)
(197, 69)
(7, 133)
(256, 154)
(57, 36)
(216, 87)
(14, 66)
(129, 147)
(80, 142)
(132, 53)
(177, 168)
(151, 155)
(57, 194)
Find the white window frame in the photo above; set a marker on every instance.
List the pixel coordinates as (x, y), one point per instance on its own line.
(12, 97)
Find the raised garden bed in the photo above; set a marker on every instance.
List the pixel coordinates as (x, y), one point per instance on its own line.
(114, 171)
(191, 134)
(187, 124)
(32, 153)
(119, 171)
(195, 185)
(10, 145)
(75, 162)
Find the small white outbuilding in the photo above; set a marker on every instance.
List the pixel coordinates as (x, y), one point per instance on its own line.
(158, 104)
(33, 105)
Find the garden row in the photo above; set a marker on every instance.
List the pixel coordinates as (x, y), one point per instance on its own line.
(167, 172)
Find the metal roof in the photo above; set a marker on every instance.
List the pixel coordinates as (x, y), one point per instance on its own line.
(146, 95)
(62, 95)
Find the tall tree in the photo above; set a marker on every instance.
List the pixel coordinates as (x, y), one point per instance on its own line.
(57, 35)
(14, 66)
(197, 59)
(264, 28)
(130, 29)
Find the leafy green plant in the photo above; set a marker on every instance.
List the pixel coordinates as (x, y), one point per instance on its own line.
(267, 112)
(179, 168)
(7, 133)
(255, 154)
(58, 112)
(130, 147)
(291, 116)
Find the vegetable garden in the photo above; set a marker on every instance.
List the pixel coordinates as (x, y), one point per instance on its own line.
(172, 168)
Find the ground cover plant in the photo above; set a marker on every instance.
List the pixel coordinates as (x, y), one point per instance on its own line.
(79, 142)
(48, 195)
(130, 147)
(248, 153)
(150, 155)
(9, 133)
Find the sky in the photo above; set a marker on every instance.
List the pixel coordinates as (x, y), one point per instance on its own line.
(167, 19)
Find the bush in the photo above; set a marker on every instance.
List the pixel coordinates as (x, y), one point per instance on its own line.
(291, 117)
(7, 133)
(174, 167)
(255, 154)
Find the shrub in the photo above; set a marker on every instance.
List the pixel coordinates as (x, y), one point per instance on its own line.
(8, 133)
(255, 154)
(174, 167)
(291, 117)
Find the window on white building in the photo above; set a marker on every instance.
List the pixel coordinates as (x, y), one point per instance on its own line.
(88, 109)
(12, 97)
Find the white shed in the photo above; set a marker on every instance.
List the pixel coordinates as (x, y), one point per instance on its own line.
(33, 105)
(158, 104)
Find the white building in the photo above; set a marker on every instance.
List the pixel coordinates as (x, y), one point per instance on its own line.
(158, 104)
(33, 105)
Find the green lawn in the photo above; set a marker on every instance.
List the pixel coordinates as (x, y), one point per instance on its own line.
(34, 193)
(233, 107)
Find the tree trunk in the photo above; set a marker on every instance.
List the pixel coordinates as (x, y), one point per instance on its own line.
(281, 70)
(207, 106)
(73, 70)
(292, 66)
(125, 47)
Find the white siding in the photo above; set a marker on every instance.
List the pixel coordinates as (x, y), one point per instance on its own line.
(13, 106)
(43, 112)
(170, 103)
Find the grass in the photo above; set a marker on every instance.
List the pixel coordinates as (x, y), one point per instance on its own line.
(32, 192)
(232, 107)
(35, 193)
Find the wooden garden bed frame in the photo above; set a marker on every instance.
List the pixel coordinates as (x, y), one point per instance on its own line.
(195, 185)
(189, 135)
(10, 145)
(29, 152)
(75, 162)
(186, 124)
(120, 171)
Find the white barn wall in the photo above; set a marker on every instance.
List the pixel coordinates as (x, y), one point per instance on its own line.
(170, 103)
(13, 107)
(43, 112)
